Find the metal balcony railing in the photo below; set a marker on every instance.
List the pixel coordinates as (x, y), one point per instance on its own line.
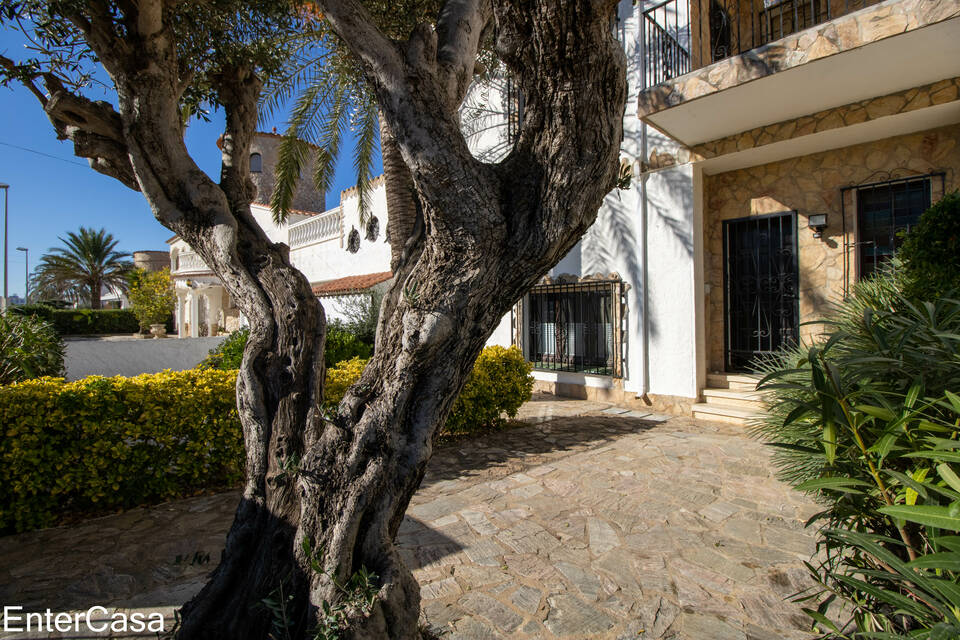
(680, 36)
(188, 262)
(326, 226)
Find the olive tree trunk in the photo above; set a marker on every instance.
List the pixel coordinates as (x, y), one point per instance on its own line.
(325, 494)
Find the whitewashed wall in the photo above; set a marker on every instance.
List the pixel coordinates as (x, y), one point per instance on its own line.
(330, 259)
(615, 243)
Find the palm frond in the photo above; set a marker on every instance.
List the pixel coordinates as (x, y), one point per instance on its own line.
(331, 135)
(363, 158)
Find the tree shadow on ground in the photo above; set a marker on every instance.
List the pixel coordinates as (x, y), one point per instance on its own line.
(511, 450)
(161, 556)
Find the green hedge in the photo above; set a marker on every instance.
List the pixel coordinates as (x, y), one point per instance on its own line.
(341, 345)
(78, 322)
(100, 444)
(499, 383)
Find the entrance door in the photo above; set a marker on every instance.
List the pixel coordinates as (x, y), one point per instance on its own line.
(760, 286)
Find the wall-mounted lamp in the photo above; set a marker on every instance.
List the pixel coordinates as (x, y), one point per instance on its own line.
(817, 222)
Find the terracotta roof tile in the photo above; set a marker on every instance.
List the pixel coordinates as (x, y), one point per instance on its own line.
(350, 284)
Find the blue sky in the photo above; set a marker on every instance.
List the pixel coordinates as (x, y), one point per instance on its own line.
(52, 195)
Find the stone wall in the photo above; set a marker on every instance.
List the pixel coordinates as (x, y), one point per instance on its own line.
(812, 184)
(929, 95)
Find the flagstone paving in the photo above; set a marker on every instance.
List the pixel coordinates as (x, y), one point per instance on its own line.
(586, 523)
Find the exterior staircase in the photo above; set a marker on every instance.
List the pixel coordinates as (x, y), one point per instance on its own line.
(731, 398)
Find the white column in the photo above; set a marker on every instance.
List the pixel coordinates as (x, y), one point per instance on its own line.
(214, 302)
(194, 298)
(181, 313)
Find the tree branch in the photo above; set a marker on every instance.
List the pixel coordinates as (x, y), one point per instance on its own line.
(352, 22)
(459, 29)
(19, 73)
(239, 88)
(95, 129)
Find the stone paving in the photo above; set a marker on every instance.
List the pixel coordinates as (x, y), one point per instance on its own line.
(588, 522)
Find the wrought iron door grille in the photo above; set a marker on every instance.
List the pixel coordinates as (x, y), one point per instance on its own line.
(760, 286)
(572, 327)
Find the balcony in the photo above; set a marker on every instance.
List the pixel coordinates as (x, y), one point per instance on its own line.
(189, 262)
(684, 35)
(322, 228)
(717, 69)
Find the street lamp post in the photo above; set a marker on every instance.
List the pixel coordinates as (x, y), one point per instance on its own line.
(26, 274)
(6, 211)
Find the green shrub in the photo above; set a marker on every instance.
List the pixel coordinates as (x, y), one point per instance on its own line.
(79, 322)
(151, 297)
(341, 345)
(340, 377)
(868, 421)
(499, 383)
(931, 252)
(42, 311)
(100, 444)
(29, 348)
(228, 354)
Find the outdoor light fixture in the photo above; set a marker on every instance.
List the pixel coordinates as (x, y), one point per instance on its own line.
(817, 222)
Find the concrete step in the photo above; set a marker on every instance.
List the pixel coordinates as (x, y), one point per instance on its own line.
(738, 381)
(734, 398)
(723, 413)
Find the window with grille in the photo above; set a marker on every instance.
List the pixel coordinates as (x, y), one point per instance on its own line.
(572, 327)
(884, 212)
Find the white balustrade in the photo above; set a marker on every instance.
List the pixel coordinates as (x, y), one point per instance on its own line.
(189, 261)
(326, 226)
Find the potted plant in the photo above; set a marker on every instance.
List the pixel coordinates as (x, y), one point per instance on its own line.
(153, 300)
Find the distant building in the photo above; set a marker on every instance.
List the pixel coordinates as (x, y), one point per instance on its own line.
(149, 260)
(341, 257)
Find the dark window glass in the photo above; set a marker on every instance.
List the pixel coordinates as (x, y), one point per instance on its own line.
(571, 328)
(884, 213)
(256, 163)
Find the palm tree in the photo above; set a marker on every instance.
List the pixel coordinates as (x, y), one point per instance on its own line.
(88, 262)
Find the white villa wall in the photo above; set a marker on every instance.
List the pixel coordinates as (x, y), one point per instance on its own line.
(330, 259)
(615, 243)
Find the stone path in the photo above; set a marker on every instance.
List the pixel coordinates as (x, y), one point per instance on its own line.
(590, 522)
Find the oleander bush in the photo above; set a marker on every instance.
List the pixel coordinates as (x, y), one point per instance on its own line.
(867, 420)
(102, 444)
(499, 383)
(29, 348)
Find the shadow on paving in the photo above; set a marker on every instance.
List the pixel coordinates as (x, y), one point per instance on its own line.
(499, 453)
(160, 556)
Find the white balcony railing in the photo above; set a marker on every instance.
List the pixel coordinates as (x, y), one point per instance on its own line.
(326, 226)
(189, 262)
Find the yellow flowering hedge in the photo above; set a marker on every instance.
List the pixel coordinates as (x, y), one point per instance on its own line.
(340, 377)
(100, 444)
(499, 383)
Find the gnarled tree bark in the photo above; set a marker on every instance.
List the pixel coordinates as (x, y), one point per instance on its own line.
(324, 497)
